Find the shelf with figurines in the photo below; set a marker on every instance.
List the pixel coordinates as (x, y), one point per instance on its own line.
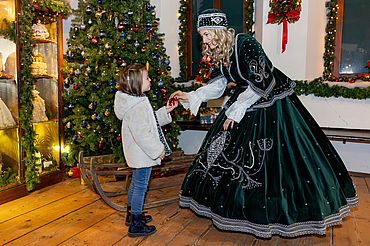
(45, 107)
(41, 34)
(39, 67)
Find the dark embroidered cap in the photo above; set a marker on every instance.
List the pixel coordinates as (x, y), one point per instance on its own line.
(212, 19)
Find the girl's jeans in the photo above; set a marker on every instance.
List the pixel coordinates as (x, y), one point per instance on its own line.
(138, 187)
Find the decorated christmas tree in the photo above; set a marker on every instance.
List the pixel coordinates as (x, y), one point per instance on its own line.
(105, 37)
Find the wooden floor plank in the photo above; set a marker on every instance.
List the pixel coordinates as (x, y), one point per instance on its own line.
(113, 230)
(213, 237)
(346, 234)
(67, 226)
(193, 233)
(44, 196)
(311, 240)
(367, 180)
(22, 225)
(265, 242)
(237, 238)
(360, 184)
(106, 232)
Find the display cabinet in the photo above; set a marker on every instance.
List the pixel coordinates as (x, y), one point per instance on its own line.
(45, 94)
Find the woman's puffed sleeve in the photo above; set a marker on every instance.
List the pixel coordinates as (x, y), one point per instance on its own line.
(246, 99)
(213, 90)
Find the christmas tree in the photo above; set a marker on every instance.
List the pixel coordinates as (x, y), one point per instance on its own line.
(105, 37)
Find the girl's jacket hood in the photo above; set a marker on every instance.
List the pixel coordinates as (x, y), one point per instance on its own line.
(123, 103)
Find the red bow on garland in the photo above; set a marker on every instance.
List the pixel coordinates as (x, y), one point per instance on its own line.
(284, 11)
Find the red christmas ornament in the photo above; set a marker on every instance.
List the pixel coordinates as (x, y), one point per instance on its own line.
(121, 27)
(136, 29)
(159, 72)
(94, 41)
(118, 138)
(352, 81)
(106, 65)
(172, 101)
(100, 145)
(164, 90)
(75, 86)
(123, 46)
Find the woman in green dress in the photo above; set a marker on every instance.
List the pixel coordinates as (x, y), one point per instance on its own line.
(265, 167)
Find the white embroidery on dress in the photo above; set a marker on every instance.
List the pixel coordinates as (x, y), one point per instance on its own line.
(233, 164)
(258, 69)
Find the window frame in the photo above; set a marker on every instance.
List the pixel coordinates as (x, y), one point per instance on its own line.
(338, 44)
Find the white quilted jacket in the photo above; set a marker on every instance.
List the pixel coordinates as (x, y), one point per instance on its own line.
(140, 138)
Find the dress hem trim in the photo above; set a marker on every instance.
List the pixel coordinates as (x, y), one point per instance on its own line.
(267, 231)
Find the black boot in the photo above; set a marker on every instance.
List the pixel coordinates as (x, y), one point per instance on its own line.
(138, 228)
(146, 218)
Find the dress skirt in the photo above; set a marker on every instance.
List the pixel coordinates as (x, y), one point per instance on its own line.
(275, 172)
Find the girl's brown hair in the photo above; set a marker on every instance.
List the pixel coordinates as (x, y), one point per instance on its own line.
(131, 79)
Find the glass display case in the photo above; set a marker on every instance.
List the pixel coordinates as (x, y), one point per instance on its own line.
(46, 96)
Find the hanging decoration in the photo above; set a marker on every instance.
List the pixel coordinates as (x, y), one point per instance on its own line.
(284, 11)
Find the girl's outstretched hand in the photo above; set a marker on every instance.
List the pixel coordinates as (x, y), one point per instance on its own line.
(171, 104)
(179, 95)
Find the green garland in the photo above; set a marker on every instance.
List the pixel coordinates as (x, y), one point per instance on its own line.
(9, 31)
(26, 97)
(55, 6)
(332, 7)
(26, 106)
(320, 89)
(183, 13)
(248, 18)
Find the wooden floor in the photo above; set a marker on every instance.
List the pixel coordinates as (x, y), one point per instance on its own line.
(70, 214)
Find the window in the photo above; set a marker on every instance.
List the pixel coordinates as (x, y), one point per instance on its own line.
(352, 38)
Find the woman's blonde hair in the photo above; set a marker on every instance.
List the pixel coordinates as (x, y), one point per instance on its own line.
(131, 79)
(224, 40)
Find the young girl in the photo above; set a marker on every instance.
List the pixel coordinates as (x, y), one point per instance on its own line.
(143, 142)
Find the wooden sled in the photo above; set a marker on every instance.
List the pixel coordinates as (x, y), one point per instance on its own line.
(90, 171)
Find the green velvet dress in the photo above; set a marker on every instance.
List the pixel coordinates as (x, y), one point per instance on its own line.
(274, 172)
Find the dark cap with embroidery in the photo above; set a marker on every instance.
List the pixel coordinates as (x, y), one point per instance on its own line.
(212, 19)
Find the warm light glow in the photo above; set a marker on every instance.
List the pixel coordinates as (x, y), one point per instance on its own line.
(65, 149)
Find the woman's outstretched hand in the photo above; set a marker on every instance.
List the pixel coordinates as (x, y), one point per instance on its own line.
(179, 95)
(227, 123)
